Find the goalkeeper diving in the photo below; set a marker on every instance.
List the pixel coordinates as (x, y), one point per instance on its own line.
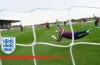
(68, 35)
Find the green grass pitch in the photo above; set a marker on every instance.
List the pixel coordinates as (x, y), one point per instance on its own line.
(84, 54)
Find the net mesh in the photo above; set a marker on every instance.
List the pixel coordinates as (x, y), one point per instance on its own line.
(54, 45)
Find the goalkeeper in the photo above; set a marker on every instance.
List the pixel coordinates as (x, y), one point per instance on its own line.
(68, 35)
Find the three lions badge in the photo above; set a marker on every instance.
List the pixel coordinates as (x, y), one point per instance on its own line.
(8, 44)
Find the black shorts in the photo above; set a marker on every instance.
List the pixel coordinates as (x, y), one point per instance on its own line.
(47, 26)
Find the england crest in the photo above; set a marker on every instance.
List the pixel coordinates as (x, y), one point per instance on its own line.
(8, 44)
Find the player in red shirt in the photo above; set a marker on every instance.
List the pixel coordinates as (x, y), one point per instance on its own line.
(47, 26)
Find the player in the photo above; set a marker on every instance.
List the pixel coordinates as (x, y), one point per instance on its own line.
(21, 28)
(96, 21)
(84, 21)
(57, 23)
(68, 35)
(65, 23)
(47, 26)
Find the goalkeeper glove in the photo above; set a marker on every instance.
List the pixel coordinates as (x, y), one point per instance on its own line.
(53, 36)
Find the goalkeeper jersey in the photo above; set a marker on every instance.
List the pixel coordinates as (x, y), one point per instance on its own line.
(64, 34)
